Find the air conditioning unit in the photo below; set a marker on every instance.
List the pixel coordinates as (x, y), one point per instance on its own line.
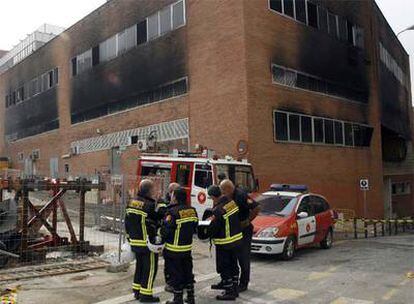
(35, 155)
(142, 145)
(74, 150)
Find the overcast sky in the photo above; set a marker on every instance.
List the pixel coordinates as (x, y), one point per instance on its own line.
(21, 17)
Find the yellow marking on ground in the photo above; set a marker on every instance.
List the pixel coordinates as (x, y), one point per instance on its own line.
(389, 294)
(344, 300)
(285, 294)
(316, 275)
(340, 242)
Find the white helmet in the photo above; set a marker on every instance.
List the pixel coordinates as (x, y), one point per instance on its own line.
(157, 247)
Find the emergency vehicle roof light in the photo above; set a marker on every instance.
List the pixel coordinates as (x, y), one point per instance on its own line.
(287, 187)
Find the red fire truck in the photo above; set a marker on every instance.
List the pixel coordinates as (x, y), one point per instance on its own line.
(196, 173)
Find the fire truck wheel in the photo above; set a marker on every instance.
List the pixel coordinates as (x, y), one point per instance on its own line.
(328, 240)
(3, 258)
(289, 248)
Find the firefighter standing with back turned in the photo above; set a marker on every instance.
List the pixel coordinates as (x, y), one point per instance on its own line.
(248, 210)
(225, 230)
(141, 223)
(179, 226)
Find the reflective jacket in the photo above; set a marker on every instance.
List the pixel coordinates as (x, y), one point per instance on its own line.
(141, 222)
(179, 225)
(225, 228)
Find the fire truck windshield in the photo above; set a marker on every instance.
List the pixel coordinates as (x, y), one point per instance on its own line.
(240, 175)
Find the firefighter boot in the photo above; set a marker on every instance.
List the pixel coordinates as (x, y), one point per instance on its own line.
(218, 286)
(136, 295)
(148, 299)
(190, 294)
(230, 292)
(236, 285)
(178, 298)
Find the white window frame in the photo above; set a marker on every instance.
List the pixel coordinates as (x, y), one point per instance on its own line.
(184, 12)
(307, 90)
(343, 122)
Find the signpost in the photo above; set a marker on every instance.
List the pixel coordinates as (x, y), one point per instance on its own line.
(364, 186)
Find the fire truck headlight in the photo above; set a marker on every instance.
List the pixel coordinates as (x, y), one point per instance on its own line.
(268, 232)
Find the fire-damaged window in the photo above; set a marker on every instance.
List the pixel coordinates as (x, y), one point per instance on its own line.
(108, 49)
(362, 135)
(280, 125)
(165, 20)
(32, 87)
(168, 90)
(306, 128)
(178, 14)
(294, 127)
(153, 28)
(127, 39)
(74, 66)
(142, 32)
(301, 80)
(95, 55)
(84, 61)
(307, 12)
(312, 15)
(323, 19)
(276, 5)
(333, 26)
(348, 134)
(318, 130)
(343, 30)
(288, 8)
(329, 131)
(401, 188)
(300, 10)
(339, 133)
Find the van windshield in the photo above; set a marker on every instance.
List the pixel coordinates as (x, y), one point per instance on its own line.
(241, 175)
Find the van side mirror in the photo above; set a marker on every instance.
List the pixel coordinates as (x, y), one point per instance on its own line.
(302, 215)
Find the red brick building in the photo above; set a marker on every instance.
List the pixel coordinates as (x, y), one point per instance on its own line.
(318, 90)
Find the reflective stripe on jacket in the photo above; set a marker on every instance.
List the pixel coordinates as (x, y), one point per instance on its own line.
(179, 226)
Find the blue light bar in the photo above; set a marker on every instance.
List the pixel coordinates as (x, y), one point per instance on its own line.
(287, 187)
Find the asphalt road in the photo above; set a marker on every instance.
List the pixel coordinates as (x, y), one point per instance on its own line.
(362, 271)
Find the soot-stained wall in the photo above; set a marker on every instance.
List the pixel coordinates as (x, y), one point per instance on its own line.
(315, 52)
(141, 69)
(394, 97)
(39, 113)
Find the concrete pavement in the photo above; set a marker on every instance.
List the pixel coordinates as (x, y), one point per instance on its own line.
(362, 271)
(358, 272)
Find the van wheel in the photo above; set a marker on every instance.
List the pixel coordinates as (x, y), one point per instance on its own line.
(328, 240)
(289, 249)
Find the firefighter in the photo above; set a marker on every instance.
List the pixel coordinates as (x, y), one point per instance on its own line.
(225, 231)
(179, 226)
(215, 193)
(141, 223)
(171, 188)
(248, 210)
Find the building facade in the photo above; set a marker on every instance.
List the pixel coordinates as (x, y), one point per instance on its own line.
(313, 92)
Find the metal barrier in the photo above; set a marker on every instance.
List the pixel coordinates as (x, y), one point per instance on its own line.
(375, 227)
